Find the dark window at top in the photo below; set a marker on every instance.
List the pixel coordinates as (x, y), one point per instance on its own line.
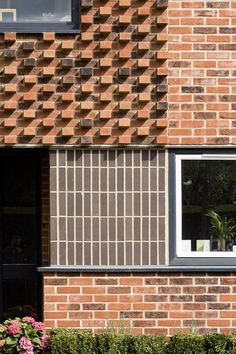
(39, 15)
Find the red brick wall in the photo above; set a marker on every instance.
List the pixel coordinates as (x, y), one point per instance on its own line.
(149, 303)
(202, 55)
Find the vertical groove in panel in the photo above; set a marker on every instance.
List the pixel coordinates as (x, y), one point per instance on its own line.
(99, 209)
(108, 206)
(66, 207)
(149, 205)
(132, 204)
(140, 207)
(82, 207)
(91, 209)
(116, 200)
(58, 214)
(158, 207)
(74, 219)
(124, 208)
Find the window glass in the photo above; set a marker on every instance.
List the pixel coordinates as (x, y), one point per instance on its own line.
(206, 219)
(36, 11)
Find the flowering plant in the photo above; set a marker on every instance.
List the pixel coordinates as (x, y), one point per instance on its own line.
(22, 335)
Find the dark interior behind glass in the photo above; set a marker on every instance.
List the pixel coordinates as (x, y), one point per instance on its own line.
(207, 185)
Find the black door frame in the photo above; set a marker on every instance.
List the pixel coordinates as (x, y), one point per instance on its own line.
(25, 271)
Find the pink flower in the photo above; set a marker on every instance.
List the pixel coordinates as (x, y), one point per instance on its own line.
(26, 344)
(27, 352)
(13, 329)
(44, 342)
(38, 325)
(2, 343)
(2, 328)
(28, 319)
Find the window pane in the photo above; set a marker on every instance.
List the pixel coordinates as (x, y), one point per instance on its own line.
(208, 205)
(37, 11)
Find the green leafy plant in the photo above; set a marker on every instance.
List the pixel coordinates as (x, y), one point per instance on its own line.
(22, 335)
(223, 228)
(72, 341)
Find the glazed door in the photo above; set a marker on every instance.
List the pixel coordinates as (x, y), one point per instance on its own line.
(20, 223)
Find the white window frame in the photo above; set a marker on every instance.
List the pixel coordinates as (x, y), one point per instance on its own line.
(178, 205)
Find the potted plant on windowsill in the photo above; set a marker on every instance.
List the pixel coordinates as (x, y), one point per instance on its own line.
(224, 229)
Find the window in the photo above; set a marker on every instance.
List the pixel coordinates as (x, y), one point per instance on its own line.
(46, 15)
(204, 209)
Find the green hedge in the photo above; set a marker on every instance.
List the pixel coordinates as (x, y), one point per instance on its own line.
(75, 341)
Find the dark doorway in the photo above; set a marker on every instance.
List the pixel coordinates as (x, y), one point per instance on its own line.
(20, 233)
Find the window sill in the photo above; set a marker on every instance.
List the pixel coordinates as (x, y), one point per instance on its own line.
(133, 269)
(39, 28)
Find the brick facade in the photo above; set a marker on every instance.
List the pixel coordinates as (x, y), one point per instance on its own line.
(202, 72)
(162, 303)
(108, 86)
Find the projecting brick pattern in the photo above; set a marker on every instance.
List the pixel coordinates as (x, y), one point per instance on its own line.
(202, 61)
(105, 86)
(147, 303)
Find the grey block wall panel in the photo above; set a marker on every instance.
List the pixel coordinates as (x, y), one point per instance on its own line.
(108, 207)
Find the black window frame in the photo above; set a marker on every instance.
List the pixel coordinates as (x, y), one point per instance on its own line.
(39, 27)
(175, 260)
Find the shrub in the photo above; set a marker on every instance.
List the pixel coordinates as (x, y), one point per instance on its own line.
(186, 344)
(149, 344)
(220, 344)
(72, 341)
(113, 343)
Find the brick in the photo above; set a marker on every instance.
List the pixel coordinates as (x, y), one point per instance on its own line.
(67, 63)
(124, 140)
(105, 131)
(30, 79)
(28, 46)
(105, 11)
(67, 44)
(124, 122)
(10, 70)
(143, 131)
(49, 54)
(86, 88)
(9, 53)
(10, 105)
(106, 80)
(125, 105)
(105, 62)
(86, 71)
(87, 37)
(49, 36)
(105, 114)
(162, 4)
(49, 71)
(10, 87)
(29, 62)
(86, 140)
(143, 63)
(124, 3)
(86, 105)
(48, 105)
(29, 113)
(86, 123)
(10, 36)
(124, 36)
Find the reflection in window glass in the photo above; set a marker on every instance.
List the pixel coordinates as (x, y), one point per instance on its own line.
(39, 10)
(208, 205)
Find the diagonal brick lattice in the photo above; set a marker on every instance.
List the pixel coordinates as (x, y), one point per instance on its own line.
(106, 85)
